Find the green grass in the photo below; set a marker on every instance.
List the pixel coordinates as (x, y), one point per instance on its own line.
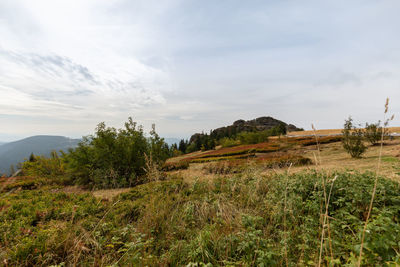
(390, 159)
(236, 221)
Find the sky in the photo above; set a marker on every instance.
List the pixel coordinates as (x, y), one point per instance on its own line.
(191, 66)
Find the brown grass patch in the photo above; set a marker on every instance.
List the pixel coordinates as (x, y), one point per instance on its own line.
(333, 132)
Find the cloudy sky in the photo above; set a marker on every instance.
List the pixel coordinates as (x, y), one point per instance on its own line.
(190, 66)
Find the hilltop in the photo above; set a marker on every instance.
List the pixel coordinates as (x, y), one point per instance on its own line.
(251, 131)
(255, 125)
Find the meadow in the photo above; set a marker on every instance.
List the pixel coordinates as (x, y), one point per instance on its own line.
(284, 203)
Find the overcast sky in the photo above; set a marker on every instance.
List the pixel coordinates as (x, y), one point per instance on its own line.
(189, 66)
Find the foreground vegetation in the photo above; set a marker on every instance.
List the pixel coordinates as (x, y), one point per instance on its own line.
(242, 214)
(245, 219)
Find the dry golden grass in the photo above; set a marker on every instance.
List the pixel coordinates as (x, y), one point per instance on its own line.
(102, 193)
(333, 158)
(109, 193)
(332, 132)
(194, 173)
(185, 156)
(248, 150)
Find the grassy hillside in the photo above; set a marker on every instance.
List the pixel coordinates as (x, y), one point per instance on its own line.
(275, 147)
(395, 130)
(252, 211)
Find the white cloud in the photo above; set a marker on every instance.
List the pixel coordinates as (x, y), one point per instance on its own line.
(56, 86)
(194, 65)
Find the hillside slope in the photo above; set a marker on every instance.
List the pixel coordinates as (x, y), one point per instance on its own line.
(394, 131)
(14, 152)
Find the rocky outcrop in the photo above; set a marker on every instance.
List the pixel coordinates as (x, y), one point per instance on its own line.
(259, 124)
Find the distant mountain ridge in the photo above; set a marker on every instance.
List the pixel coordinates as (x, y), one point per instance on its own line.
(14, 152)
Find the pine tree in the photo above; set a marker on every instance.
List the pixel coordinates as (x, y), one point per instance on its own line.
(32, 158)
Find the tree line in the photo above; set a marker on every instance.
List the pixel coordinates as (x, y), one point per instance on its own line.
(226, 137)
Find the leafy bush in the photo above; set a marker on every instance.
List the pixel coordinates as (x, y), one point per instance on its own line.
(278, 130)
(192, 147)
(228, 142)
(246, 138)
(173, 166)
(115, 158)
(353, 139)
(40, 166)
(373, 132)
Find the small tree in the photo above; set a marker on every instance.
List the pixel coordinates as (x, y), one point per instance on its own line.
(32, 157)
(116, 157)
(183, 145)
(373, 132)
(353, 139)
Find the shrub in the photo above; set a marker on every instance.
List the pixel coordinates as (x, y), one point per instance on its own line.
(228, 142)
(191, 148)
(253, 137)
(115, 158)
(353, 139)
(373, 132)
(173, 166)
(278, 130)
(224, 167)
(41, 166)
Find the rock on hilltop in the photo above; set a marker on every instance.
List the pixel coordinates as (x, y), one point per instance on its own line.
(259, 124)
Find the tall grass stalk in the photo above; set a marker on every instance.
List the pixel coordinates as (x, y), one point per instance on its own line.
(326, 221)
(375, 183)
(318, 148)
(284, 214)
(327, 199)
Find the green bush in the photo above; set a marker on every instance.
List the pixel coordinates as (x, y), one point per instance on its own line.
(173, 166)
(353, 139)
(373, 132)
(41, 166)
(246, 138)
(228, 142)
(115, 158)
